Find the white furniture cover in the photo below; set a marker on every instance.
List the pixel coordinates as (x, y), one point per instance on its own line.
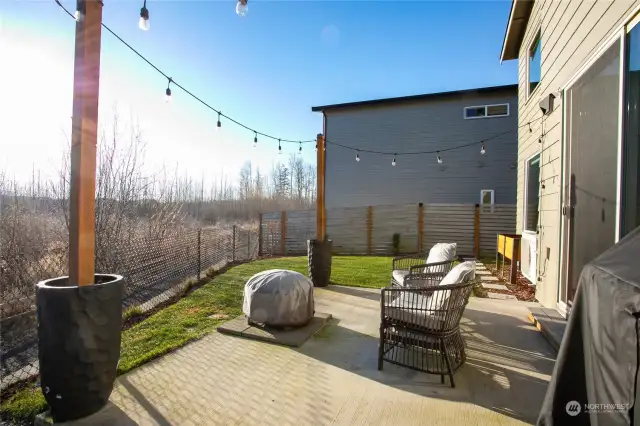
(279, 298)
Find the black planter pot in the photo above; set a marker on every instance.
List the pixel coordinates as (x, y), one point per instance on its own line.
(319, 253)
(78, 343)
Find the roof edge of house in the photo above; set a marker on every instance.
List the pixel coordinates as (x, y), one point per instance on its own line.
(411, 98)
(516, 26)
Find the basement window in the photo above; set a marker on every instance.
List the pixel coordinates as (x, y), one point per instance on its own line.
(486, 111)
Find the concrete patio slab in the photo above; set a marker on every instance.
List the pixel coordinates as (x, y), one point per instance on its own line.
(292, 337)
(501, 296)
(333, 379)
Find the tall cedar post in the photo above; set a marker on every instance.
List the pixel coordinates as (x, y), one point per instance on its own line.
(476, 232)
(420, 226)
(84, 138)
(321, 212)
(199, 251)
(260, 235)
(283, 232)
(369, 228)
(233, 245)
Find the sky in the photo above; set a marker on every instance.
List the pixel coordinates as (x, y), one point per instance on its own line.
(266, 70)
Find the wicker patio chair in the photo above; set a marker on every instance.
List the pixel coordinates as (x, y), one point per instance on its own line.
(420, 327)
(438, 262)
(423, 274)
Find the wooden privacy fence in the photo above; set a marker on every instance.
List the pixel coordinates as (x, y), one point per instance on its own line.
(370, 229)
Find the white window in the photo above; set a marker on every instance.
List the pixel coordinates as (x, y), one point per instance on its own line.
(486, 111)
(534, 63)
(487, 197)
(531, 193)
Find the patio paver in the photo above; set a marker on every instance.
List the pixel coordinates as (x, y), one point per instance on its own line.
(333, 377)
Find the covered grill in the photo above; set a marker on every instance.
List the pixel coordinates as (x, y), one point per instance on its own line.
(278, 298)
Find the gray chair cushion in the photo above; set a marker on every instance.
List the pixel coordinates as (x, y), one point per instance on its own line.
(398, 275)
(440, 252)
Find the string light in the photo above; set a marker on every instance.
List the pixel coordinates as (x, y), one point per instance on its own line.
(255, 140)
(80, 14)
(168, 91)
(300, 149)
(143, 22)
(81, 11)
(358, 156)
(439, 158)
(393, 163)
(483, 150)
(279, 147)
(242, 8)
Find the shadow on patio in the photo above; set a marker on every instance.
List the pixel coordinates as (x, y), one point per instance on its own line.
(333, 377)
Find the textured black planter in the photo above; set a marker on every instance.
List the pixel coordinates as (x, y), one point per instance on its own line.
(319, 253)
(78, 343)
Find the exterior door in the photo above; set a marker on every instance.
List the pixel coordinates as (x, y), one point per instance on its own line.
(591, 167)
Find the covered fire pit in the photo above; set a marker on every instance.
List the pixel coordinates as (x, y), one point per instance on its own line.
(278, 298)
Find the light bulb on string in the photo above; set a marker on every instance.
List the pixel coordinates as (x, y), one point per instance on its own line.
(81, 11)
(300, 149)
(439, 159)
(242, 8)
(255, 140)
(143, 22)
(316, 147)
(358, 156)
(219, 125)
(483, 150)
(168, 91)
(393, 163)
(279, 147)
(530, 129)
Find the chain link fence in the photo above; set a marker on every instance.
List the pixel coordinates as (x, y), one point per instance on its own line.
(156, 269)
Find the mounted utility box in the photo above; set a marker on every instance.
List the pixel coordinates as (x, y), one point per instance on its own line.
(509, 248)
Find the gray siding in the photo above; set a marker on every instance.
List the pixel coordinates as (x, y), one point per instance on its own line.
(572, 32)
(419, 126)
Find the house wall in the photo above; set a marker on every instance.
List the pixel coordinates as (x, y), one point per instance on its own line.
(419, 126)
(572, 32)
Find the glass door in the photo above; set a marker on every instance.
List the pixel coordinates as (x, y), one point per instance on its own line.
(630, 209)
(591, 167)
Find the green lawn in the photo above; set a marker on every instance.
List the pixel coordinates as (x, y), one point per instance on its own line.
(200, 312)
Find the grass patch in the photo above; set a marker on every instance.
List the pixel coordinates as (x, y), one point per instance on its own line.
(200, 312)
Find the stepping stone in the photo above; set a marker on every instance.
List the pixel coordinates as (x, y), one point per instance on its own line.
(501, 296)
(480, 272)
(490, 286)
(489, 278)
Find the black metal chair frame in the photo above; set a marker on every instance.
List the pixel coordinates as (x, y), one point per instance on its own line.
(438, 335)
(437, 271)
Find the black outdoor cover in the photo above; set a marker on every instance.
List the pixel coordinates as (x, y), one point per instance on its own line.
(594, 381)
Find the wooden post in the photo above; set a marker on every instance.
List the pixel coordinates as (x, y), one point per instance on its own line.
(84, 138)
(283, 232)
(369, 228)
(476, 232)
(420, 226)
(233, 245)
(321, 213)
(260, 235)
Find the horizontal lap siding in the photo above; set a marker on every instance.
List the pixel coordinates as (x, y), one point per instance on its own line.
(420, 126)
(572, 31)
